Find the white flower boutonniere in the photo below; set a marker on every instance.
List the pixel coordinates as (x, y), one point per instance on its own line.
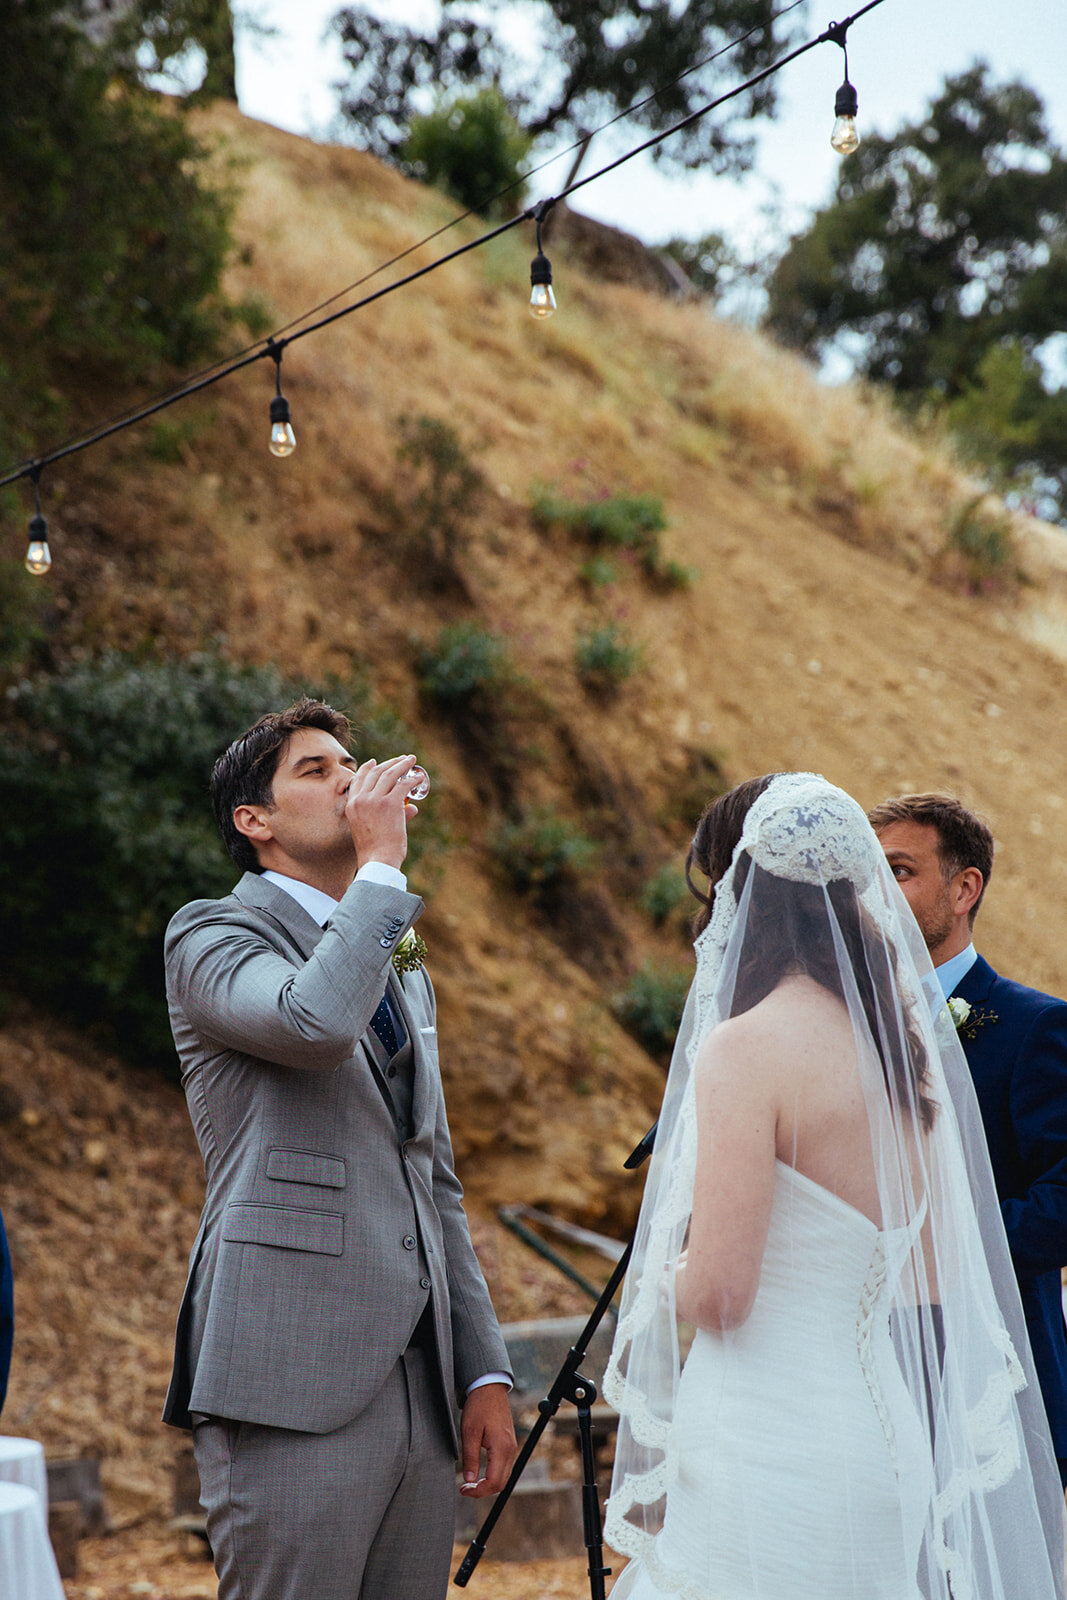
(968, 1018)
(959, 1010)
(409, 954)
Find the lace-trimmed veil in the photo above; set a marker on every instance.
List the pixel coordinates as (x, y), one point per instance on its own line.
(993, 1515)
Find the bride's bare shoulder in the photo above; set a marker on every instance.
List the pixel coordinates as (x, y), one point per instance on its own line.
(796, 1012)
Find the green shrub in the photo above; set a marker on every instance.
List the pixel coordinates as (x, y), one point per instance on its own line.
(446, 490)
(604, 658)
(543, 851)
(671, 574)
(598, 573)
(631, 522)
(984, 545)
(664, 892)
(472, 148)
(464, 662)
(625, 521)
(651, 1008)
(107, 826)
(171, 438)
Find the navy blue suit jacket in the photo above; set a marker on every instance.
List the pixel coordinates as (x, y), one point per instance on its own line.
(1019, 1066)
(7, 1312)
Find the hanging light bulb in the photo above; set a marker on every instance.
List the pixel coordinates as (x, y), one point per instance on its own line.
(542, 300)
(844, 137)
(38, 556)
(282, 437)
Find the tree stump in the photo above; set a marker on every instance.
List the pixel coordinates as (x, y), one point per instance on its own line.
(66, 1522)
(78, 1478)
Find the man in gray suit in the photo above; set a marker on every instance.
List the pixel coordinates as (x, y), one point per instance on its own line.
(334, 1313)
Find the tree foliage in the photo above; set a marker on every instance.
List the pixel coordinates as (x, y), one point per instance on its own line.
(713, 264)
(472, 148)
(107, 827)
(113, 247)
(593, 58)
(155, 36)
(943, 258)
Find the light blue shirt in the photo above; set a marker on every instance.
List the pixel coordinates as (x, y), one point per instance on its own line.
(951, 973)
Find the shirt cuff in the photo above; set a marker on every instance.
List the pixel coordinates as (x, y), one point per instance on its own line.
(380, 872)
(490, 1377)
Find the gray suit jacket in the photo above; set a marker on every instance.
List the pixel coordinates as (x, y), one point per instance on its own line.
(323, 1233)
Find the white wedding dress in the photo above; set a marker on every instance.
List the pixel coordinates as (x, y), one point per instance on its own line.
(873, 1430)
(797, 1467)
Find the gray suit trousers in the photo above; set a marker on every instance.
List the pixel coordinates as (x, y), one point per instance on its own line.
(366, 1512)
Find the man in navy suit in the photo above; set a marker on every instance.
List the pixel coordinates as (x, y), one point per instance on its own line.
(7, 1312)
(1015, 1041)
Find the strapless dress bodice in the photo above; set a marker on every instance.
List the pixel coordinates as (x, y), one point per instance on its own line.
(797, 1466)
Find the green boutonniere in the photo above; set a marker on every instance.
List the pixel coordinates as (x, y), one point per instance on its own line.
(410, 953)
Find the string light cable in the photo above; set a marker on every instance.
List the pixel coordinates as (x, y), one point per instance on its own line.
(224, 364)
(273, 347)
(490, 201)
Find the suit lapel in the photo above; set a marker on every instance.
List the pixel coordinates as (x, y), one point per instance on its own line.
(300, 927)
(977, 983)
(982, 1042)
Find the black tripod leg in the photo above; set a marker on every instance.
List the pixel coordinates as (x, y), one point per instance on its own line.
(594, 1543)
(563, 1388)
(568, 1385)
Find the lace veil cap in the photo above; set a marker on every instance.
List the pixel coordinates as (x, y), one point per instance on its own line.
(993, 1481)
(805, 830)
(801, 830)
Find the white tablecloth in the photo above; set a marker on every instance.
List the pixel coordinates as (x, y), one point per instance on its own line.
(28, 1568)
(22, 1461)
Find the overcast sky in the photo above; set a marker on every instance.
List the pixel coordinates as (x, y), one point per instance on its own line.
(899, 55)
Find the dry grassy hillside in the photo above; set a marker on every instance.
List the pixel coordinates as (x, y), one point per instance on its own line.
(827, 626)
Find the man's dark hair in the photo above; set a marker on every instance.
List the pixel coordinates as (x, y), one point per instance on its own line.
(963, 839)
(244, 774)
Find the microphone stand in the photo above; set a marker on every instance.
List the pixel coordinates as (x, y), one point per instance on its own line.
(569, 1384)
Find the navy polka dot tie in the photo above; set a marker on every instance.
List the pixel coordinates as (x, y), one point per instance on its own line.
(382, 1023)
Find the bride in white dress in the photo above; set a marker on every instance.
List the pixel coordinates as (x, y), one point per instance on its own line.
(821, 1369)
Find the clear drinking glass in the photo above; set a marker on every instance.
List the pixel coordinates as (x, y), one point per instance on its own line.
(422, 788)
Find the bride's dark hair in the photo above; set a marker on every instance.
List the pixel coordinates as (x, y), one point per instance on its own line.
(785, 934)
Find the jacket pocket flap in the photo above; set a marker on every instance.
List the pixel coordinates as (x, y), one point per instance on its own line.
(306, 1166)
(285, 1227)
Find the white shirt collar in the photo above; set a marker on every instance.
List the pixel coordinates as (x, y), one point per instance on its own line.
(319, 906)
(950, 974)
